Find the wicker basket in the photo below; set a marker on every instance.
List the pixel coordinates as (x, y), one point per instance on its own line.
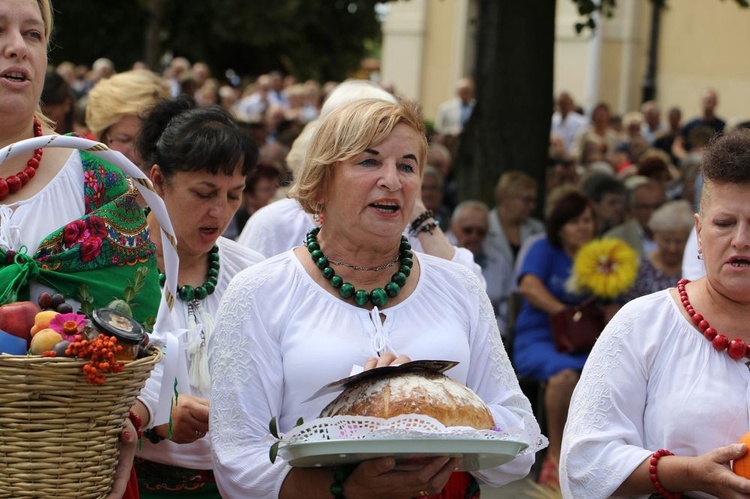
(58, 434)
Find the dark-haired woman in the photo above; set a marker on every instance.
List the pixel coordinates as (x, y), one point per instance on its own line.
(541, 282)
(198, 159)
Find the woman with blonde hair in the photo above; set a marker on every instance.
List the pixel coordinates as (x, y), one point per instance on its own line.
(510, 221)
(52, 192)
(373, 302)
(117, 105)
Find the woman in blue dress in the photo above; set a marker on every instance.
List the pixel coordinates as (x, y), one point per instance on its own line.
(541, 282)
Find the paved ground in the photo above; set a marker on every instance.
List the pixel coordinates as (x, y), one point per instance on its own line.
(520, 489)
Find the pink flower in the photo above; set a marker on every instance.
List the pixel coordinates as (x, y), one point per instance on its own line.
(68, 325)
(90, 179)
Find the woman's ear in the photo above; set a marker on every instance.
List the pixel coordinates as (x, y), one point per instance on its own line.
(698, 228)
(157, 179)
(319, 199)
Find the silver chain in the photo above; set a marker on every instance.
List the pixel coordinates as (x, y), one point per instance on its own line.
(371, 269)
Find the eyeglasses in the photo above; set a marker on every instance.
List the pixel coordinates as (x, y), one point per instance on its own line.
(480, 231)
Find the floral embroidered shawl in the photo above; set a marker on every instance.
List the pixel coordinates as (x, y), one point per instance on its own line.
(101, 250)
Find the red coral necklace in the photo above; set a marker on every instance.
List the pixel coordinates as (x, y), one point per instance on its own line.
(13, 183)
(736, 348)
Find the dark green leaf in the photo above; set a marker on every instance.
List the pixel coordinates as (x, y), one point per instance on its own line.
(273, 428)
(273, 452)
(585, 7)
(300, 422)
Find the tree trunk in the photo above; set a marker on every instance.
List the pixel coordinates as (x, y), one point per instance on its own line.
(152, 42)
(509, 128)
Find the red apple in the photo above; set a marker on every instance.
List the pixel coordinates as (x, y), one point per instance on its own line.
(18, 318)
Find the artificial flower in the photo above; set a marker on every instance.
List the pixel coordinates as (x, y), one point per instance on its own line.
(96, 226)
(74, 232)
(91, 247)
(604, 267)
(68, 325)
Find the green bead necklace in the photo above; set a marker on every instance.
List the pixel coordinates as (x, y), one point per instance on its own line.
(189, 293)
(378, 296)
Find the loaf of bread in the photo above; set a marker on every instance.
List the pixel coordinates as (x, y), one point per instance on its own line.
(424, 392)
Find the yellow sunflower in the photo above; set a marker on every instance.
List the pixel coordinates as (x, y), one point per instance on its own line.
(605, 267)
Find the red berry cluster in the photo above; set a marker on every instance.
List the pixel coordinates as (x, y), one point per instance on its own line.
(101, 354)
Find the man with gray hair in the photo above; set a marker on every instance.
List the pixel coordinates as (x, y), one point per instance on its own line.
(468, 229)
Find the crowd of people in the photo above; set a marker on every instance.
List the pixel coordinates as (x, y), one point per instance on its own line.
(292, 205)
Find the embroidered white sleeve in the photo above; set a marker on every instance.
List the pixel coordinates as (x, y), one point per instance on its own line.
(246, 387)
(599, 429)
(493, 378)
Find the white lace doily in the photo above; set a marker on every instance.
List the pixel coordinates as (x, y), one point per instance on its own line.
(407, 426)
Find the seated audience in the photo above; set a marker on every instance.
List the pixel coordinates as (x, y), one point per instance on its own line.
(608, 196)
(641, 200)
(511, 222)
(261, 185)
(469, 225)
(541, 282)
(433, 194)
(661, 268)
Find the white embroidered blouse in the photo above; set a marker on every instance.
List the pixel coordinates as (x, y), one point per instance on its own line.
(280, 337)
(233, 258)
(652, 381)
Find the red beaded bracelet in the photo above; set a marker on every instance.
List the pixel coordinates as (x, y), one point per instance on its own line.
(655, 480)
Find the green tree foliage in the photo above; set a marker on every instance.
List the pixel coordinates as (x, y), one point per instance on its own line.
(588, 8)
(312, 39)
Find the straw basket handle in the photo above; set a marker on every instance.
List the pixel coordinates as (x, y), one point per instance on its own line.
(144, 186)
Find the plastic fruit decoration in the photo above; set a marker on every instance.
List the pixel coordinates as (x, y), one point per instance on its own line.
(742, 465)
(18, 318)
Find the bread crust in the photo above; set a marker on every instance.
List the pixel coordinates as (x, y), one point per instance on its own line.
(425, 392)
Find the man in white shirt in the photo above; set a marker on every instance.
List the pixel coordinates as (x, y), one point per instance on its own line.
(453, 114)
(566, 122)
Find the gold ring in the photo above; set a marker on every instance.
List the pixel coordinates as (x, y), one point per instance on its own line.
(198, 434)
(423, 493)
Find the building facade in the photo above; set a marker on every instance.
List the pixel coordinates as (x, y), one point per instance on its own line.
(429, 44)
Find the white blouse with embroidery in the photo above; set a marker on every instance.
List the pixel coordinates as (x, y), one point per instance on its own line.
(652, 381)
(196, 325)
(280, 337)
